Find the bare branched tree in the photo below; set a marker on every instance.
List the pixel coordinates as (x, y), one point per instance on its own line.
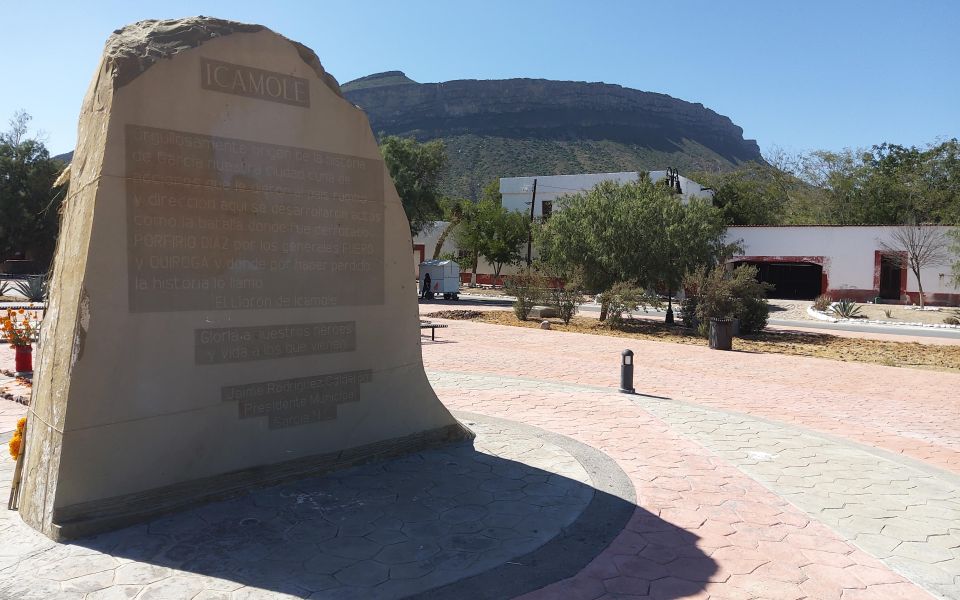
(918, 247)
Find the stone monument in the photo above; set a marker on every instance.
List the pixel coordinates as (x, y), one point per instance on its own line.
(232, 302)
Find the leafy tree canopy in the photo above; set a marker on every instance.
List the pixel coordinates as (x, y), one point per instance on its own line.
(887, 184)
(488, 229)
(416, 170)
(634, 232)
(29, 206)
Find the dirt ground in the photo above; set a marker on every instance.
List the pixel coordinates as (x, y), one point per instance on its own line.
(903, 314)
(895, 354)
(796, 310)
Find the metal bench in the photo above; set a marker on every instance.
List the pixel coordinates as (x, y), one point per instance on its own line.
(433, 327)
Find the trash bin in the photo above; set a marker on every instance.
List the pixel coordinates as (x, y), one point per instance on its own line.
(721, 334)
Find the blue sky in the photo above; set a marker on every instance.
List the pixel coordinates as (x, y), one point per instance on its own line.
(798, 75)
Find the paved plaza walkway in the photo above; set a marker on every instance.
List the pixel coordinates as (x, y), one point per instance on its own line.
(731, 475)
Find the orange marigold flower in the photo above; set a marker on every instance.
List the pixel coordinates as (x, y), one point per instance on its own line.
(15, 446)
(20, 311)
(21, 425)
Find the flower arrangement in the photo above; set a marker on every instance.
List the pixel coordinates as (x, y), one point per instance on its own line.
(16, 443)
(17, 328)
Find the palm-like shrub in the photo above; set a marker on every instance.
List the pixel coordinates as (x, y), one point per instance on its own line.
(34, 288)
(846, 309)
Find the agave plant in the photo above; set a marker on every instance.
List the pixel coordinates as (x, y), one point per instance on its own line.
(846, 309)
(34, 288)
(4, 287)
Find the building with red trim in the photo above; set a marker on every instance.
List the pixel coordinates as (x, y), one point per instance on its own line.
(802, 262)
(849, 261)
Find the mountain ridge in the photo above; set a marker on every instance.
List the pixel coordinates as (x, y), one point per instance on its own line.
(524, 126)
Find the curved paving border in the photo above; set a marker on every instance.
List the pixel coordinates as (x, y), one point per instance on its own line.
(898, 509)
(570, 551)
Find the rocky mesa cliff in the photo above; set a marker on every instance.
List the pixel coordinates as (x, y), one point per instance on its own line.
(498, 128)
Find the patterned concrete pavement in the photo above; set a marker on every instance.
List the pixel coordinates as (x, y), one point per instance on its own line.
(739, 476)
(892, 430)
(448, 521)
(895, 509)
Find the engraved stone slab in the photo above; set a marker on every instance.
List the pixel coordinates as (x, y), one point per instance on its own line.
(232, 300)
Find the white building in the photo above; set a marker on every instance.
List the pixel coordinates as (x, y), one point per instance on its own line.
(518, 191)
(801, 261)
(844, 261)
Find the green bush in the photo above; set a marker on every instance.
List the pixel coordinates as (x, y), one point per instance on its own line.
(722, 294)
(567, 299)
(527, 288)
(822, 302)
(846, 309)
(625, 297)
(750, 299)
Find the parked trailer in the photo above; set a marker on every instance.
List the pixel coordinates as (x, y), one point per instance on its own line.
(444, 279)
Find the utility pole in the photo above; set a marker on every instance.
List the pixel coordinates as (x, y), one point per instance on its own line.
(533, 204)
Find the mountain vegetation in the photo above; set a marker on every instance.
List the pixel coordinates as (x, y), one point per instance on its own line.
(514, 127)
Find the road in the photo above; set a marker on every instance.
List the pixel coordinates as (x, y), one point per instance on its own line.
(819, 325)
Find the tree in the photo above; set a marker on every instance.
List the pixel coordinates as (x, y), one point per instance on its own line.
(693, 236)
(416, 170)
(634, 232)
(29, 205)
(453, 211)
(488, 229)
(746, 197)
(491, 192)
(918, 247)
(503, 235)
(888, 184)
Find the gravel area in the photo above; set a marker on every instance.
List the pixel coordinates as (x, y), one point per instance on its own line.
(790, 310)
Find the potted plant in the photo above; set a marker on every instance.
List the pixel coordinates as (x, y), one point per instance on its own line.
(20, 333)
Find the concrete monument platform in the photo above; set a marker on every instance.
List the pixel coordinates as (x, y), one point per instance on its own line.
(520, 509)
(231, 302)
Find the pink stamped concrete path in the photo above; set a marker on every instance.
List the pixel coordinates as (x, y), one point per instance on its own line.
(762, 545)
(907, 411)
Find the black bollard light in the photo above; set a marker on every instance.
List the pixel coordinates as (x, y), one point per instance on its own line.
(626, 372)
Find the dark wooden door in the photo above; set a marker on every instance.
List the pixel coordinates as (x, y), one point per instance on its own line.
(889, 278)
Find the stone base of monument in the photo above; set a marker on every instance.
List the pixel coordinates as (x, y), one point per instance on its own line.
(85, 519)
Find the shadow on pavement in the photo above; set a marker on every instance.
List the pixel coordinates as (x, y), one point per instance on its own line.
(446, 523)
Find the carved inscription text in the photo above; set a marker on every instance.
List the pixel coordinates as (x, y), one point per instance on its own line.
(241, 344)
(254, 83)
(291, 402)
(222, 224)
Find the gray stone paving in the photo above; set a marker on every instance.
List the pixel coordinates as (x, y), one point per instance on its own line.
(378, 531)
(906, 517)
